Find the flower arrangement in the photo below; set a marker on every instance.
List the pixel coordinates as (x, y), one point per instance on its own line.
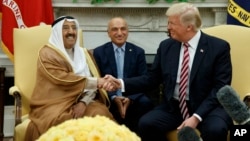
(98, 128)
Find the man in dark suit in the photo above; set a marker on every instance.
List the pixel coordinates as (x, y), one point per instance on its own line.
(208, 69)
(127, 108)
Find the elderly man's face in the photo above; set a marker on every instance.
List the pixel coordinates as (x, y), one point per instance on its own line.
(118, 31)
(69, 32)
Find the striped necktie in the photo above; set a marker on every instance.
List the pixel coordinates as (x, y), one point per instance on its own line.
(184, 83)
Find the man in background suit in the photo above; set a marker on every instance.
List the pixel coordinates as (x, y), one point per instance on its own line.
(127, 108)
(209, 69)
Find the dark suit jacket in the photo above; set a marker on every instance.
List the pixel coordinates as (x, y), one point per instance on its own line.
(134, 63)
(211, 70)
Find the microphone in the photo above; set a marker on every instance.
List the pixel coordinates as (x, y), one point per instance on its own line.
(188, 134)
(236, 108)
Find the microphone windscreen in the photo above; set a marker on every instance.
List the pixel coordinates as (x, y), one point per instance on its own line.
(231, 102)
(187, 134)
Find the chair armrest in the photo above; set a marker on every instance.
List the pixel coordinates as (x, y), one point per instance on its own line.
(15, 92)
(25, 117)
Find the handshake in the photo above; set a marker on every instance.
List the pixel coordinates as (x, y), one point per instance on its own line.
(109, 83)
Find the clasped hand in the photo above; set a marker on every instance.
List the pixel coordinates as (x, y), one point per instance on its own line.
(109, 83)
(122, 104)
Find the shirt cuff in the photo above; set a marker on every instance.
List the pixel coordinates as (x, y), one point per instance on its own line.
(113, 97)
(91, 83)
(197, 116)
(88, 97)
(122, 85)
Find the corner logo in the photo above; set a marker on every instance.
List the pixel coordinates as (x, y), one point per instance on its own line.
(240, 133)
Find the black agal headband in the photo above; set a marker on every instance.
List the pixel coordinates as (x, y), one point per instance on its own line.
(61, 18)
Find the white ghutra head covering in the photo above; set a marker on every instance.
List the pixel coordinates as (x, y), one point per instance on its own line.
(78, 62)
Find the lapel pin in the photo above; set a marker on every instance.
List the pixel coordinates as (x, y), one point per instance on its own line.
(201, 50)
(130, 49)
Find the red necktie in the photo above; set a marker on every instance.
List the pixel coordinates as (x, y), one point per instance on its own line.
(184, 83)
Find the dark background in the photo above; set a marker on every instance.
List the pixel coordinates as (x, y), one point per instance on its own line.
(8, 99)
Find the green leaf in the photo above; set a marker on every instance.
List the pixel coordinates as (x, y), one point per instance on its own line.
(152, 1)
(169, 1)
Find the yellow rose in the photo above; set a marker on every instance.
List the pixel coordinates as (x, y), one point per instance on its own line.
(98, 128)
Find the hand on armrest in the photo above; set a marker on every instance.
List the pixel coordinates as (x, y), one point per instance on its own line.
(15, 92)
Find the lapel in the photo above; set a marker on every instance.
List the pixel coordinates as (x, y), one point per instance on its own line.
(199, 54)
(129, 52)
(109, 51)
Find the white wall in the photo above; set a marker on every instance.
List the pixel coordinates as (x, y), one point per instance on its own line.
(147, 22)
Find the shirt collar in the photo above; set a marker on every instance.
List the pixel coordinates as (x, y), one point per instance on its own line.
(115, 46)
(195, 40)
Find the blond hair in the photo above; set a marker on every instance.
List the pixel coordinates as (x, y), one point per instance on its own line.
(189, 14)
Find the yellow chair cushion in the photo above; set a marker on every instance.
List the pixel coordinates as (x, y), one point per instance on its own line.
(238, 37)
(19, 136)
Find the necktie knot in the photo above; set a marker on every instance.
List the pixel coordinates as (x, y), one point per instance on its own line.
(119, 50)
(186, 45)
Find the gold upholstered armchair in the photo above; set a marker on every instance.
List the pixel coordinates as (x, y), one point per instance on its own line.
(238, 37)
(27, 42)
